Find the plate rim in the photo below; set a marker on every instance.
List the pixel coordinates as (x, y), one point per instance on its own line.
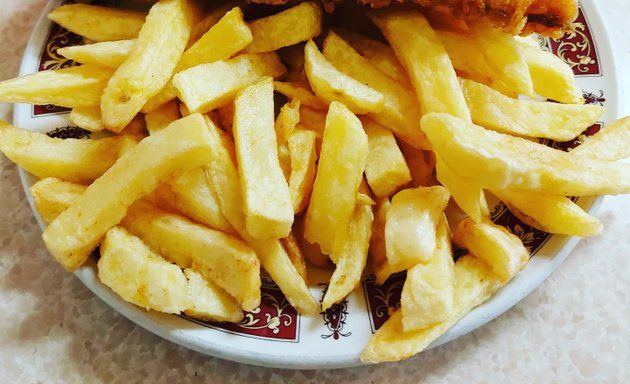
(483, 314)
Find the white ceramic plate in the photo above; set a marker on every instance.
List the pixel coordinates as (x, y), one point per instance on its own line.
(274, 335)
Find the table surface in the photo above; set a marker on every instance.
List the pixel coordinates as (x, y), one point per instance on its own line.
(573, 328)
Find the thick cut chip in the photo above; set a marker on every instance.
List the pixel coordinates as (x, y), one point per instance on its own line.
(339, 173)
(192, 195)
(162, 117)
(410, 229)
(551, 75)
(506, 162)
(351, 256)
(209, 86)
(466, 56)
(69, 87)
(286, 121)
(75, 233)
(560, 122)
(53, 196)
(473, 285)
(109, 54)
(273, 257)
(386, 170)
(550, 213)
(140, 276)
(223, 259)
(503, 55)
(99, 23)
(208, 21)
(423, 55)
(227, 37)
(88, 118)
(493, 244)
(332, 85)
(465, 191)
(611, 143)
(266, 196)
(292, 246)
(301, 92)
(379, 54)
(296, 24)
(401, 112)
(208, 302)
(427, 296)
(378, 251)
(303, 153)
(150, 64)
(76, 160)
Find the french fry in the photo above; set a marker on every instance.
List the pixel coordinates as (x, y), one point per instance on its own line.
(109, 54)
(208, 302)
(69, 87)
(493, 244)
(552, 77)
(301, 92)
(227, 37)
(503, 55)
(296, 24)
(291, 245)
(351, 256)
(312, 252)
(421, 164)
(466, 56)
(208, 21)
(401, 112)
(343, 129)
(266, 196)
(192, 195)
(98, 23)
(53, 196)
(385, 170)
(287, 120)
(332, 85)
(508, 162)
(427, 296)
(209, 86)
(220, 258)
(379, 54)
(303, 154)
(140, 276)
(88, 118)
(273, 257)
(550, 213)
(410, 229)
(76, 160)
(76, 232)
(560, 122)
(378, 251)
(150, 64)
(162, 117)
(424, 57)
(465, 191)
(607, 144)
(474, 283)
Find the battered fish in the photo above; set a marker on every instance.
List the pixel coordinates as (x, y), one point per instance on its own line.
(546, 17)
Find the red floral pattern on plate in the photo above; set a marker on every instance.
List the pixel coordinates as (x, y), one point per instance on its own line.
(275, 319)
(577, 48)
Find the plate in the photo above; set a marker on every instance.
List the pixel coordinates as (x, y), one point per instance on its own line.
(274, 335)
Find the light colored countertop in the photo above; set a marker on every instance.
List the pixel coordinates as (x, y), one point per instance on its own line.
(573, 328)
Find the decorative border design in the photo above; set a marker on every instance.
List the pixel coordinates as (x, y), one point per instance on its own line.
(382, 300)
(274, 320)
(578, 49)
(335, 318)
